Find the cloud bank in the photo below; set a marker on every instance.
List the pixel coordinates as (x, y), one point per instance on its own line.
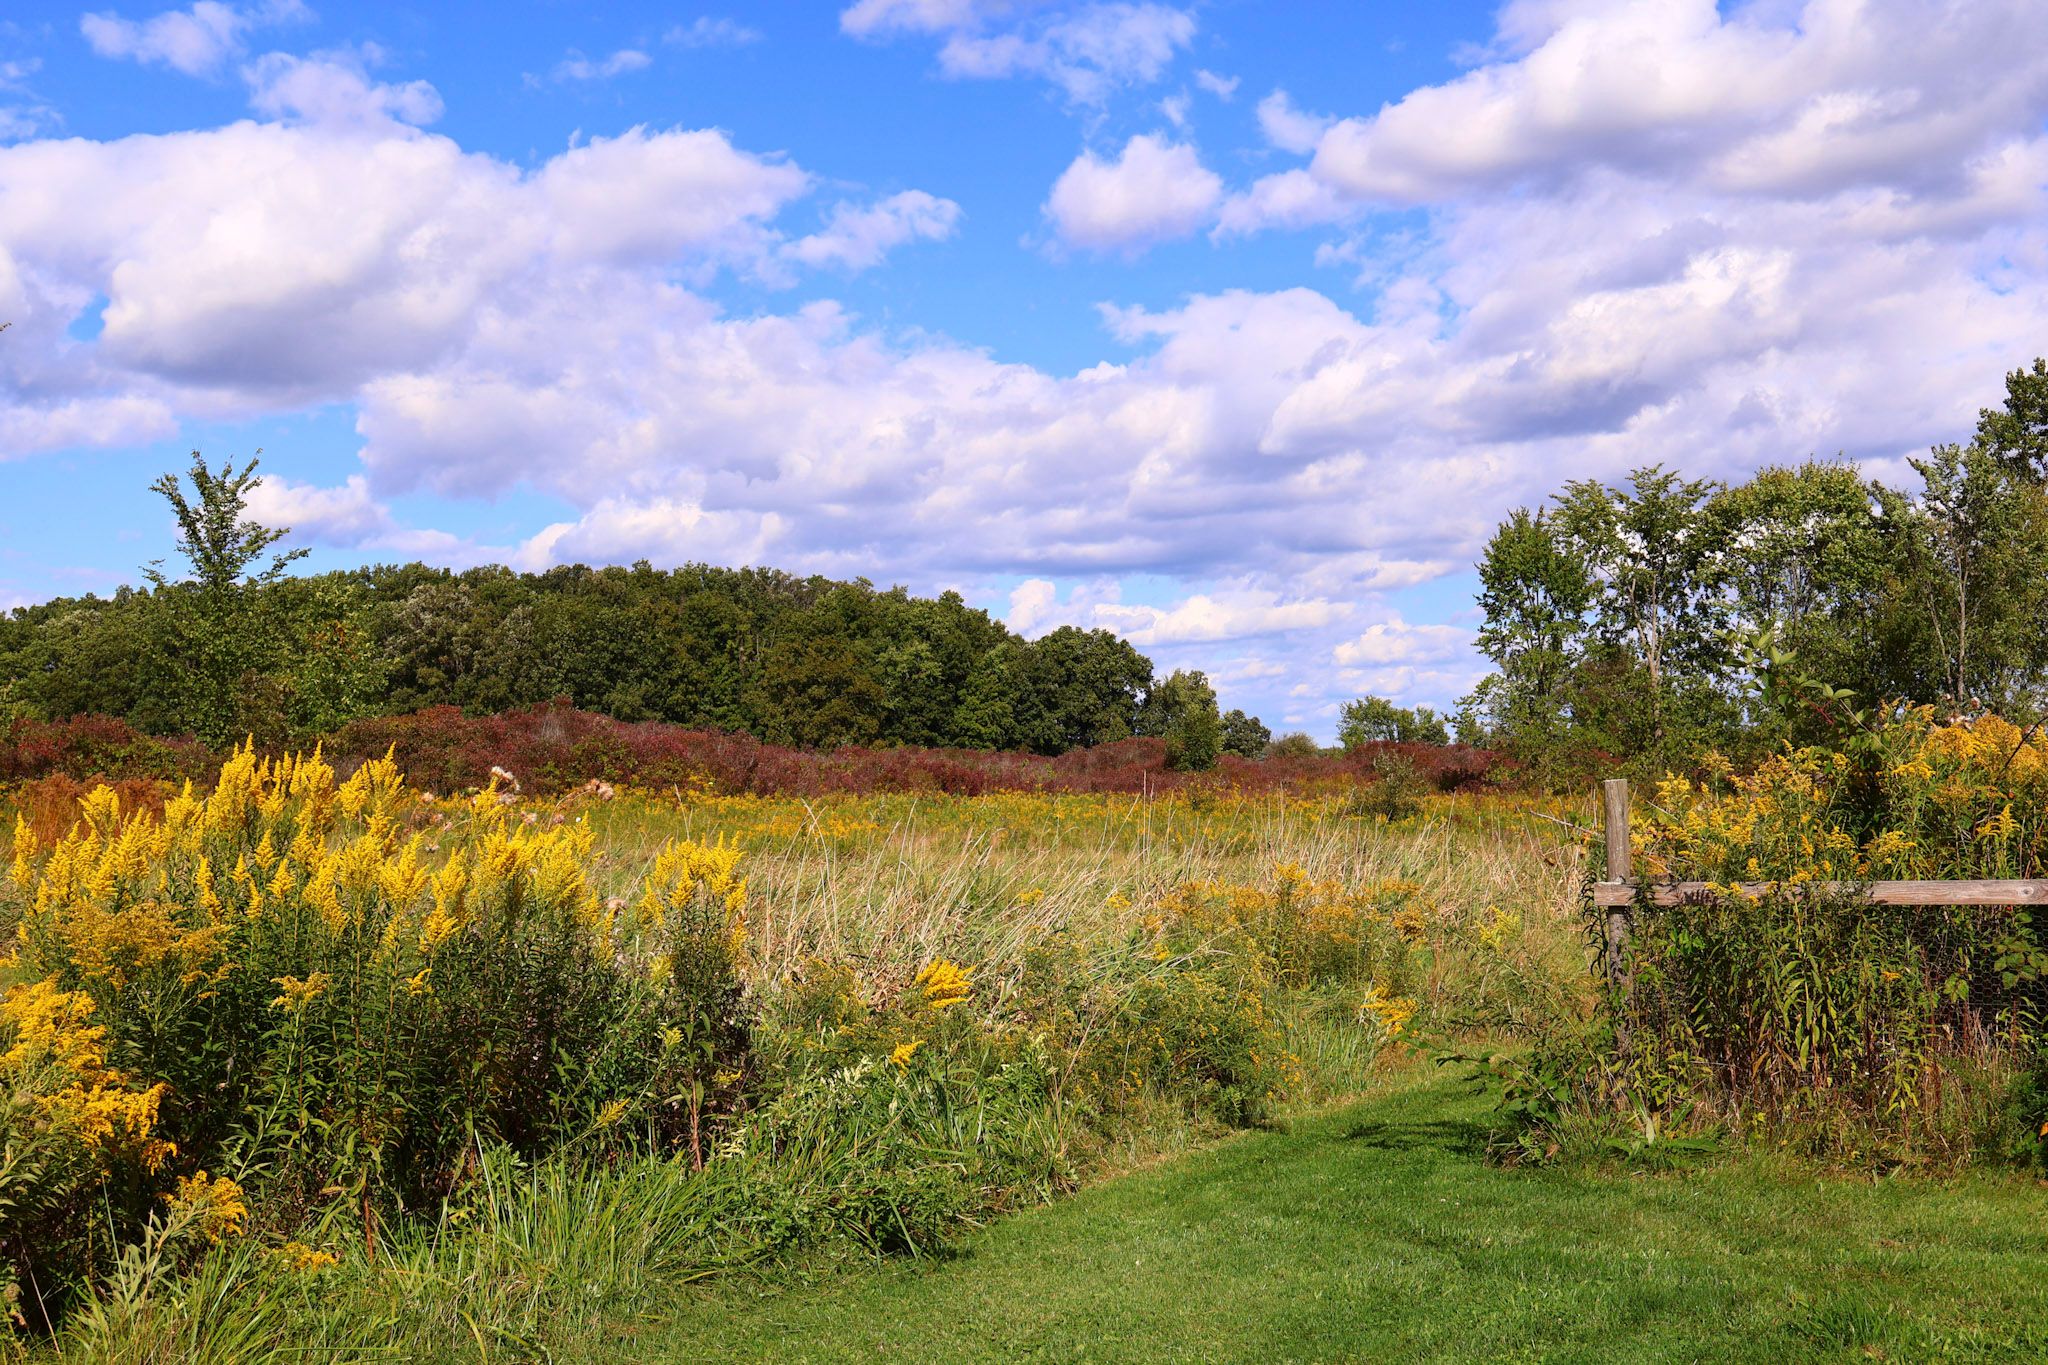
(1820, 228)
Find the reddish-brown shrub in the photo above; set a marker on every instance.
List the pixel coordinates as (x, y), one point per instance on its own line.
(96, 746)
(555, 748)
(50, 804)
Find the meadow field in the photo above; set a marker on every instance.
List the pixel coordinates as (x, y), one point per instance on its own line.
(303, 1062)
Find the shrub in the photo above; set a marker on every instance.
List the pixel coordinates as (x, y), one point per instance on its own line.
(1806, 1010)
(75, 1131)
(1395, 793)
(556, 748)
(317, 995)
(96, 746)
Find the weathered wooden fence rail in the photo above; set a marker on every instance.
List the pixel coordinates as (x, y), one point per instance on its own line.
(1621, 891)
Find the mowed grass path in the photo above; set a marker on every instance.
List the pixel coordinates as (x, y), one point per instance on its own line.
(1380, 1232)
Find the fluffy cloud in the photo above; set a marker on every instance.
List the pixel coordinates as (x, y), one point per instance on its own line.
(1153, 191)
(1239, 612)
(335, 89)
(577, 67)
(1795, 100)
(1287, 127)
(664, 530)
(350, 516)
(197, 41)
(1223, 616)
(1397, 642)
(706, 31)
(858, 237)
(1089, 51)
(1659, 285)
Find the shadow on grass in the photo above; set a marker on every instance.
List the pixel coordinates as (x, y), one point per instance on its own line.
(1453, 1137)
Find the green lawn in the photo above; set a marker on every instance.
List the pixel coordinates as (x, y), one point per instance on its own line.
(1380, 1232)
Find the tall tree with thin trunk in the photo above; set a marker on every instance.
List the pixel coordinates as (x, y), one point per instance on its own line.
(213, 631)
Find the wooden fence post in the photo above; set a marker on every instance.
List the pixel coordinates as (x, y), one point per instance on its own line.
(1614, 795)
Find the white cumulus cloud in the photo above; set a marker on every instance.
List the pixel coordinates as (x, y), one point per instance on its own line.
(1287, 127)
(1153, 191)
(859, 237)
(196, 41)
(1088, 51)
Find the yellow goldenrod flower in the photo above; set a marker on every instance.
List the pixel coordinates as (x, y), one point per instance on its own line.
(943, 983)
(301, 1259)
(214, 1203)
(298, 994)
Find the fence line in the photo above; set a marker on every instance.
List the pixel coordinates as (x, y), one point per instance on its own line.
(1621, 892)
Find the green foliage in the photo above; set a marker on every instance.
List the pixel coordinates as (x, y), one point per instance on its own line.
(238, 649)
(1974, 545)
(1294, 745)
(1609, 615)
(1081, 688)
(215, 630)
(2016, 435)
(1396, 789)
(1375, 720)
(1243, 735)
(1804, 1010)
(1797, 1009)
(1182, 711)
(802, 661)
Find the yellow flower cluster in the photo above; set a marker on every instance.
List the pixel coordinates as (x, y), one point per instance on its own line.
(1391, 1012)
(298, 994)
(213, 1203)
(302, 1259)
(125, 899)
(943, 984)
(56, 1056)
(684, 871)
(1986, 743)
(1962, 799)
(335, 893)
(1311, 930)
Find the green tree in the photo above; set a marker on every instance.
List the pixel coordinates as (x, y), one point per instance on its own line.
(819, 694)
(1182, 711)
(1375, 720)
(1294, 744)
(1536, 592)
(1657, 558)
(1976, 539)
(1243, 735)
(215, 633)
(1813, 565)
(2016, 435)
(1080, 688)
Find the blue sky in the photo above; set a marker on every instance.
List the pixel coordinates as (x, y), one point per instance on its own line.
(1232, 326)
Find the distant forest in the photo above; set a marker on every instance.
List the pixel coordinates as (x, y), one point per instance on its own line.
(238, 647)
(1635, 627)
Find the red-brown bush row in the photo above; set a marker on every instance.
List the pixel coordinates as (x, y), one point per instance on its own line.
(556, 748)
(97, 746)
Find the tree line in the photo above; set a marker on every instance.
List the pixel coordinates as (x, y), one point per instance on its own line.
(235, 645)
(1644, 623)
